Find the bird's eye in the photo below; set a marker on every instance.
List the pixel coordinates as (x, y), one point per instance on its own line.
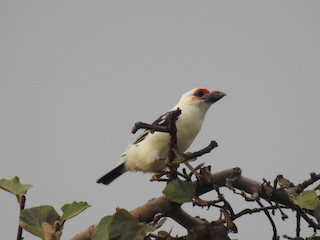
(199, 93)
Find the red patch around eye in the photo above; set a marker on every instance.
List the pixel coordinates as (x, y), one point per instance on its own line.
(199, 93)
(205, 90)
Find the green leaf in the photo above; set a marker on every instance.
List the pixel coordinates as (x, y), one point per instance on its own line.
(32, 219)
(151, 227)
(163, 233)
(179, 191)
(307, 200)
(102, 230)
(124, 227)
(73, 209)
(14, 186)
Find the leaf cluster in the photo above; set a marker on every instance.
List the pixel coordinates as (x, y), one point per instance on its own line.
(122, 226)
(41, 221)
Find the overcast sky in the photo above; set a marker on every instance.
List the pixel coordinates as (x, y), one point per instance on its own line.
(76, 75)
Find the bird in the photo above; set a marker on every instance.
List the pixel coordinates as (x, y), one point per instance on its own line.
(148, 153)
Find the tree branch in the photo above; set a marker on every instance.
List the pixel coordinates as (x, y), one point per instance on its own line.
(208, 149)
(231, 178)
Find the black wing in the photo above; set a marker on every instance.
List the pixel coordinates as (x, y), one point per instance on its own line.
(163, 120)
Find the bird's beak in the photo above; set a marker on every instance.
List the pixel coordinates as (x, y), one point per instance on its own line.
(213, 96)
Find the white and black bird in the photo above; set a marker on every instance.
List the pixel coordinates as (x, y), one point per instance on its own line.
(149, 151)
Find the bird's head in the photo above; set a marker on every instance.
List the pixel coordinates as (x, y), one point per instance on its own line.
(200, 97)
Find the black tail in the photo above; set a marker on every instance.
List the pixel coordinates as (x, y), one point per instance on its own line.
(112, 175)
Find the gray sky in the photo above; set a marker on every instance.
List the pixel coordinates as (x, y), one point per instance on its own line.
(76, 75)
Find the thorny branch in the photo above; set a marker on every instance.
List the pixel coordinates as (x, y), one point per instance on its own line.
(146, 212)
(250, 190)
(264, 190)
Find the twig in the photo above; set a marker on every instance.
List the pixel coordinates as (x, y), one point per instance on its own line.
(183, 174)
(313, 178)
(194, 155)
(291, 238)
(208, 149)
(172, 116)
(283, 182)
(157, 218)
(274, 228)
(257, 210)
(306, 218)
(151, 127)
(171, 119)
(193, 170)
(22, 201)
(197, 201)
(227, 205)
(159, 237)
(298, 217)
(199, 167)
(278, 207)
(254, 196)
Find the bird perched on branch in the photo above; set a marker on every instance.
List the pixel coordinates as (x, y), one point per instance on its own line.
(148, 153)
